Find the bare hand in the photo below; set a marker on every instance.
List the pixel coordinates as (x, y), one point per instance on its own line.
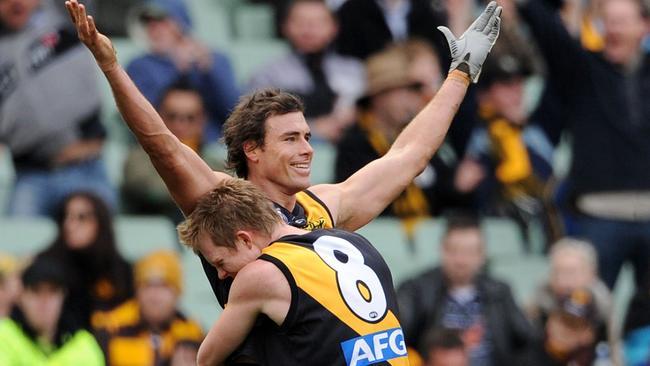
(98, 44)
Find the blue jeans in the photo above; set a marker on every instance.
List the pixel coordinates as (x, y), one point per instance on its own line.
(39, 192)
(617, 242)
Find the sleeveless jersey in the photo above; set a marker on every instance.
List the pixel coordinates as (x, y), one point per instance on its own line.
(343, 306)
(308, 207)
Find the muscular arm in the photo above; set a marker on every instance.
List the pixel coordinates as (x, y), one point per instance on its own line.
(259, 288)
(366, 193)
(186, 175)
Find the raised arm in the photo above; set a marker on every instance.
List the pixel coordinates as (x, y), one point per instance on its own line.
(186, 175)
(366, 193)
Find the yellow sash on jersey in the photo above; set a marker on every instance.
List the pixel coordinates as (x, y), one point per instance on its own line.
(318, 217)
(318, 280)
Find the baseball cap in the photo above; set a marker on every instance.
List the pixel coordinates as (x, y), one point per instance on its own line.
(44, 270)
(504, 66)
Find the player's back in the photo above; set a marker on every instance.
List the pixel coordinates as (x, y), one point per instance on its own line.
(343, 306)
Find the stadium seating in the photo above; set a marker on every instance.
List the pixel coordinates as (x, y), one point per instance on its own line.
(254, 22)
(24, 237)
(140, 235)
(248, 56)
(322, 167)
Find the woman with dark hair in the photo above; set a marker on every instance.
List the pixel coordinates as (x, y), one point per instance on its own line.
(98, 276)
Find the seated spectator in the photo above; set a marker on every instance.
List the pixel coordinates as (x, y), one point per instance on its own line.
(368, 26)
(573, 265)
(445, 347)
(397, 91)
(571, 332)
(39, 331)
(165, 26)
(49, 108)
(97, 275)
(328, 83)
(149, 330)
(9, 283)
(144, 192)
(508, 162)
(458, 295)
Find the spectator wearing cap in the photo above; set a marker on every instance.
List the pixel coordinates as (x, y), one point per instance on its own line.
(396, 92)
(9, 283)
(573, 266)
(165, 26)
(508, 162)
(328, 83)
(39, 331)
(571, 332)
(459, 295)
(149, 329)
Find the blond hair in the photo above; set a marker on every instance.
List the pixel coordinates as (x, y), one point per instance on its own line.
(234, 205)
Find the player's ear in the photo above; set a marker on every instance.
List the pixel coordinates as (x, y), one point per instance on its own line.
(252, 151)
(245, 238)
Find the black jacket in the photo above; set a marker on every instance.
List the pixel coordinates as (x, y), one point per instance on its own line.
(607, 109)
(421, 302)
(363, 29)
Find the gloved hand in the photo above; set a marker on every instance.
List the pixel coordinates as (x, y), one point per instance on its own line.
(470, 50)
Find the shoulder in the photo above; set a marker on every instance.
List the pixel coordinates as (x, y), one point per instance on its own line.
(259, 280)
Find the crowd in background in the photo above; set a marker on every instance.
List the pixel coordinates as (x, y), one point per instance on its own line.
(364, 68)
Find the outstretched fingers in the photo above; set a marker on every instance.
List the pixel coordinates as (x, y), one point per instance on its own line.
(493, 21)
(483, 19)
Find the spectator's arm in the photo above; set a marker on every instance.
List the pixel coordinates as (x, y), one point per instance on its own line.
(562, 52)
(187, 176)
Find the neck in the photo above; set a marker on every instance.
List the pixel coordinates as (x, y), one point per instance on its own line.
(283, 229)
(277, 194)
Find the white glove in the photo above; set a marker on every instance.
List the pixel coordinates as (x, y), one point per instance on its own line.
(473, 46)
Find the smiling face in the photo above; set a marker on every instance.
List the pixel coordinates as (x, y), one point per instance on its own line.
(285, 158)
(229, 261)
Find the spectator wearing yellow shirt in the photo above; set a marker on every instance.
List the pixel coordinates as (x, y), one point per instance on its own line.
(149, 329)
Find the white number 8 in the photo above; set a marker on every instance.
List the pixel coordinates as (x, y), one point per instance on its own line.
(353, 275)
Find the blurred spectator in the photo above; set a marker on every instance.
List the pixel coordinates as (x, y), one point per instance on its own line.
(368, 26)
(570, 333)
(458, 295)
(39, 331)
(98, 276)
(608, 118)
(636, 328)
(165, 27)
(329, 84)
(508, 162)
(573, 266)
(398, 88)
(49, 108)
(445, 347)
(9, 283)
(149, 330)
(144, 192)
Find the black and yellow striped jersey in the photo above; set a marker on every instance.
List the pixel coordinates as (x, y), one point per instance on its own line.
(343, 306)
(308, 207)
